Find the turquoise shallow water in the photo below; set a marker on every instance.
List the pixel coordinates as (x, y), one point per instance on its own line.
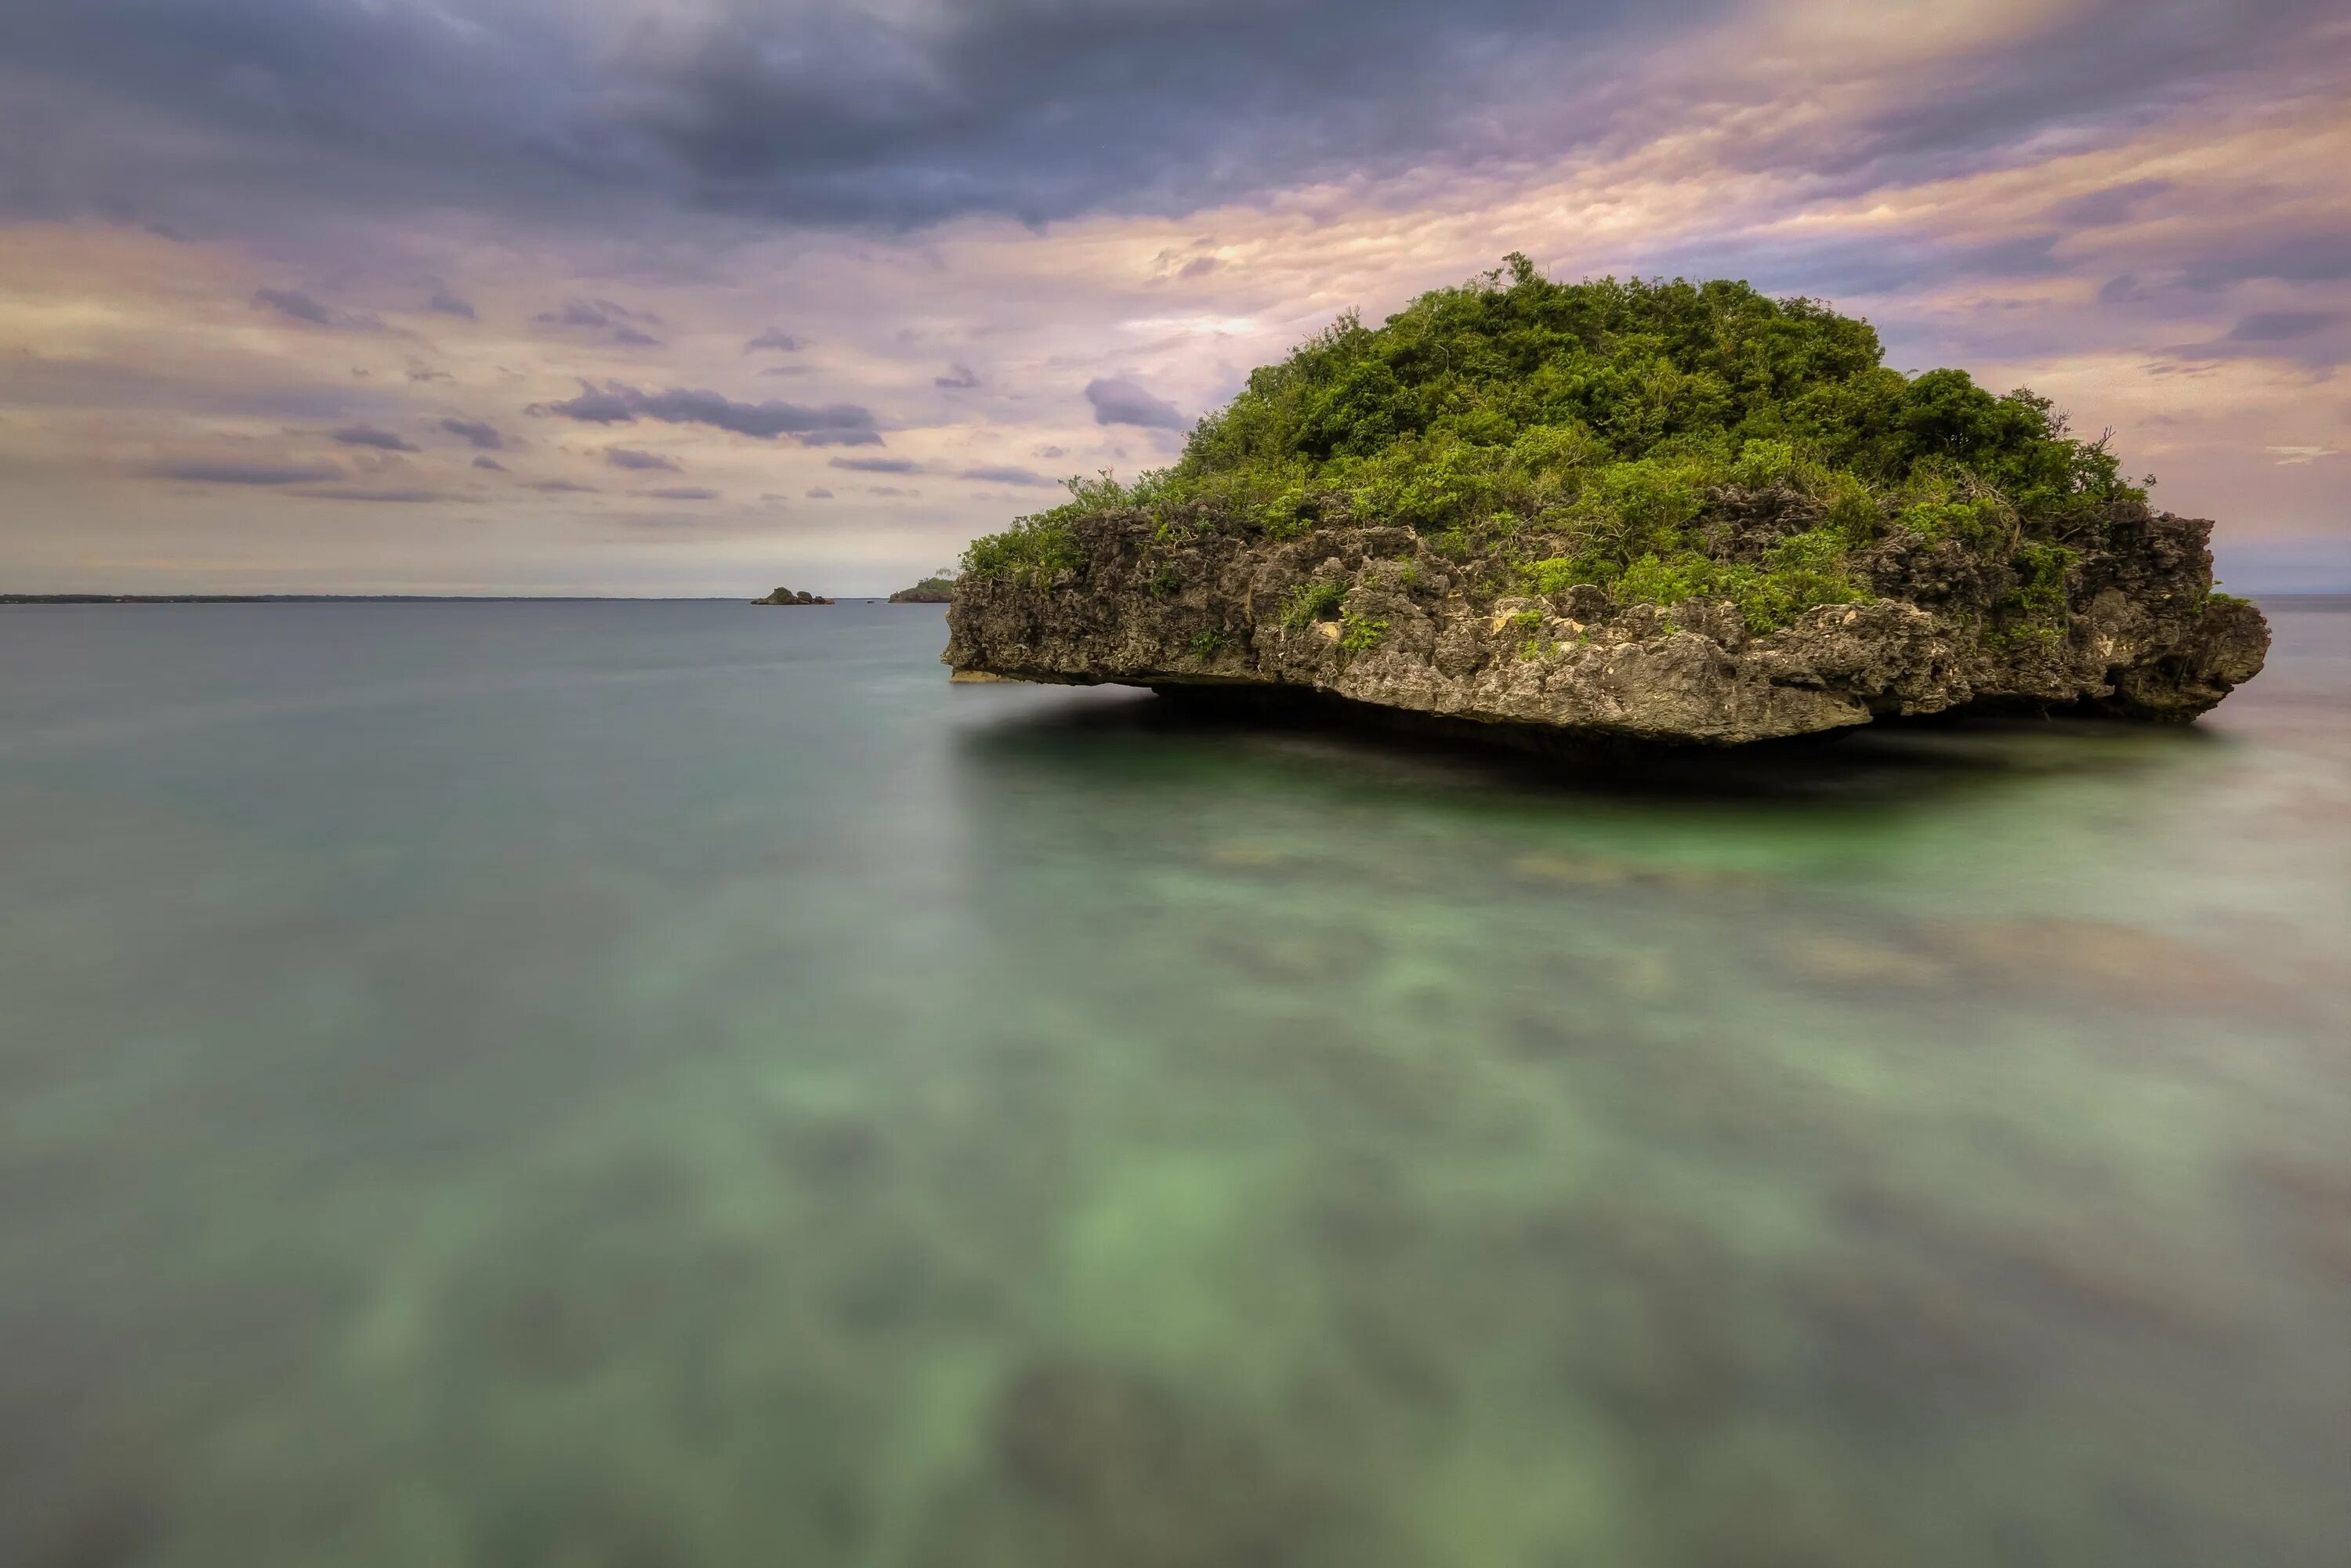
(623, 1085)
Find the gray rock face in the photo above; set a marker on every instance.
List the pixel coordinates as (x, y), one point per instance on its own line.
(1373, 614)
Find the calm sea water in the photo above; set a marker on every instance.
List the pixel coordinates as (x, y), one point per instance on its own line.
(621, 1085)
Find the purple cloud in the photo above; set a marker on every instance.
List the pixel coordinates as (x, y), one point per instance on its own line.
(839, 424)
(2279, 326)
(628, 457)
(297, 305)
(476, 431)
(368, 435)
(994, 476)
(1117, 401)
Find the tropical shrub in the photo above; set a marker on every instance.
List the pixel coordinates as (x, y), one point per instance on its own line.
(1580, 432)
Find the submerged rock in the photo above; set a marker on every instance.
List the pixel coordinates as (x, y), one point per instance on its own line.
(1375, 615)
(786, 596)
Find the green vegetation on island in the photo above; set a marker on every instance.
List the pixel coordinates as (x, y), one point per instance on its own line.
(1552, 436)
(937, 589)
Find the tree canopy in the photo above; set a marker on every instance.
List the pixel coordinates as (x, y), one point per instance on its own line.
(1584, 429)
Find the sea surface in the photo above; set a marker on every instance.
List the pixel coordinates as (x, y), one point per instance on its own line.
(634, 1085)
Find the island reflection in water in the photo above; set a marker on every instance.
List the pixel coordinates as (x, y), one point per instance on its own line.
(643, 1084)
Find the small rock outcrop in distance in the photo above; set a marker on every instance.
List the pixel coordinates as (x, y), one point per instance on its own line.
(937, 589)
(786, 596)
(1665, 512)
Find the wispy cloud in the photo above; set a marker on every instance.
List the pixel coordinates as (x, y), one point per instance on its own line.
(603, 319)
(297, 305)
(398, 497)
(368, 436)
(474, 432)
(989, 474)
(202, 472)
(629, 457)
(616, 403)
(2280, 326)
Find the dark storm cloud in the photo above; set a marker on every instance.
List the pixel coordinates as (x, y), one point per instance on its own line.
(368, 436)
(204, 472)
(634, 339)
(685, 493)
(819, 493)
(959, 378)
(821, 113)
(1119, 401)
(560, 488)
(492, 463)
(798, 111)
(628, 457)
(447, 304)
(477, 433)
(879, 465)
(775, 338)
(834, 424)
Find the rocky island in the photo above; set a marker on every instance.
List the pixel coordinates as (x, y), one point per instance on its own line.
(1666, 511)
(786, 596)
(937, 589)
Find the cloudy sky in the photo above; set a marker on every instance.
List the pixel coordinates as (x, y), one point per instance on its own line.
(686, 297)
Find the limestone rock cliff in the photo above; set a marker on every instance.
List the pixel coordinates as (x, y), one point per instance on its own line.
(1385, 616)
